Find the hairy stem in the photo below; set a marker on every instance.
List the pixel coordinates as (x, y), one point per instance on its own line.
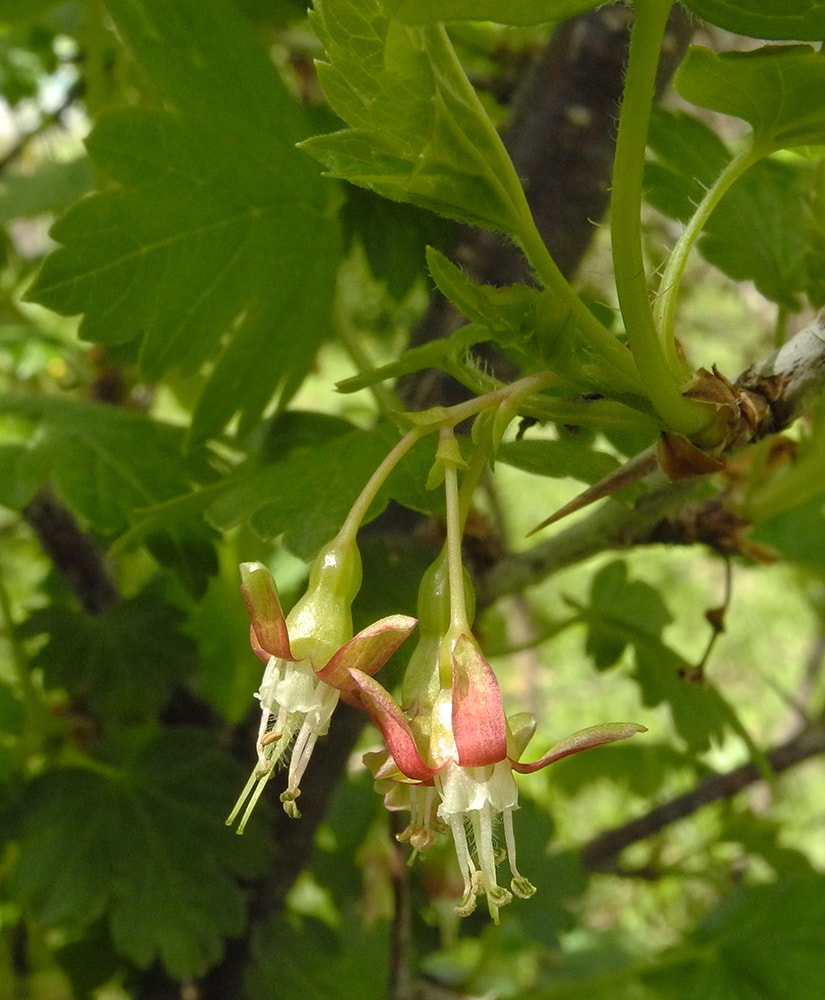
(664, 312)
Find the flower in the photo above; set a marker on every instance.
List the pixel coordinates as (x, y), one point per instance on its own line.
(308, 655)
(462, 753)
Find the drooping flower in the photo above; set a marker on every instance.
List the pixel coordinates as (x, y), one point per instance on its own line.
(309, 655)
(461, 755)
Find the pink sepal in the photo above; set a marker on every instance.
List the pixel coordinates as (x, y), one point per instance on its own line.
(395, 729)
(479, 726)
(584, 739)
(269, 633)
(366, 652)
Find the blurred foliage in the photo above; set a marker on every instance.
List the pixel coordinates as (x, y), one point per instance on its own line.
(187, 421)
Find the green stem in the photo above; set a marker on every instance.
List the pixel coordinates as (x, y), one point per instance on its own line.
(662, 382)
(611, 352)
(455, 529)
(665, 309)
(357, 512)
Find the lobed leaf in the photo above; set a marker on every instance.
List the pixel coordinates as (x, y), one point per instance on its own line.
(122, 663)
(104, 461)
(201, 253)
(777, 90)
(761, 229)
(306, 496)
(146, 849)
(418, 132)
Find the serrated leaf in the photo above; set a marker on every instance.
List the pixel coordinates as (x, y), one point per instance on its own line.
(418, 131)
(147, 849)
(104, 461)
(524, 321)
(796, 19)
(620, 610)
(218, 244)
(777, 90)
(518, 12)
(122, 663)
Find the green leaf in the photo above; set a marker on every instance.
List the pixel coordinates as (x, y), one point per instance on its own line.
(418, 131)
(146, 848)
(759, 232)
(520, 12)
(307, 496)
(529, 324)
(122, 663)
(777, 90)
(23, 11)
(558, 459)
(689, 158)
(815, 261)
(764, 943)
(392, 235)
(630, 613)
(203, 252)
(620, 610)
(795, 19)
(104, 461)
(699, 712)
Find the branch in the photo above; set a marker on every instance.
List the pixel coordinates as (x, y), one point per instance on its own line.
(769, 396)
(74, 553)
(602, 853)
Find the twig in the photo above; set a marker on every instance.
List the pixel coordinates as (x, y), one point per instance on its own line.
(74, 553)
(602, 853)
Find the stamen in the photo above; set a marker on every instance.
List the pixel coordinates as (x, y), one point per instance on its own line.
(519, 885)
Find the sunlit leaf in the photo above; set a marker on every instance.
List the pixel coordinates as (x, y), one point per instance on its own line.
(417, 131)
(776, 90)
(201, 252)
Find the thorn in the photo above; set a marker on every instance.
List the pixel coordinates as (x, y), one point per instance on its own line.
(632, 471)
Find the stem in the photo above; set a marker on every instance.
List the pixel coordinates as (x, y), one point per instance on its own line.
(665, 309)
(455, 561)
(611, 352)
(444, 416)
(662, 381)
(359, 509)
